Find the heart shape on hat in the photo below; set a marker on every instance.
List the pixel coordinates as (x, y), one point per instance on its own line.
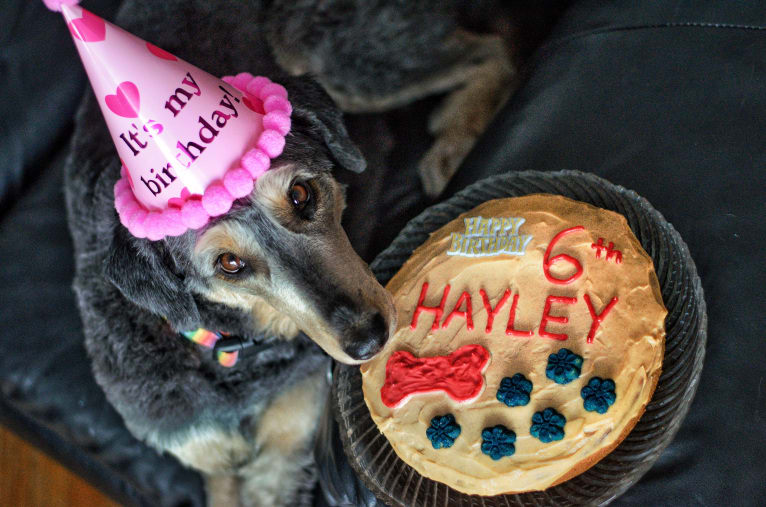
(160, 53)
(127, 175)
(126, 101)
(254, 104)
(88, 28)
(178, 202)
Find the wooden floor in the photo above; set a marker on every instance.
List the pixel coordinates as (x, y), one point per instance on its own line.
(29, 478)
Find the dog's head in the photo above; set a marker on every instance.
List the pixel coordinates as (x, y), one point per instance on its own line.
(279, 254)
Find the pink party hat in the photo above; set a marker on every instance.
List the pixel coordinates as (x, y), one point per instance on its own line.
(189, 143)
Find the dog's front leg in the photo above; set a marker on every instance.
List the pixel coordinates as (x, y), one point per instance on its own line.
(282, 471)
(218, 455)
(222, 490)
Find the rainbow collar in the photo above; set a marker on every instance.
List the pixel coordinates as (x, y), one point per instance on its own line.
(226, 348)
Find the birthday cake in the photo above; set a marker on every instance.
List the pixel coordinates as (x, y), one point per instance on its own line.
(530, 340)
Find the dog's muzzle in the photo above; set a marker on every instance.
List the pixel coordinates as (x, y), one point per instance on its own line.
(363, 334)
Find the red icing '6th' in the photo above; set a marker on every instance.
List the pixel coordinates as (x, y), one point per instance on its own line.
(463, 307)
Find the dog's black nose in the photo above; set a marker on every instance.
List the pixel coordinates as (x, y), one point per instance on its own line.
(365, 337)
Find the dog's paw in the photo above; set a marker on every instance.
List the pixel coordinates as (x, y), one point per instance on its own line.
(442, 160)
(464, 115)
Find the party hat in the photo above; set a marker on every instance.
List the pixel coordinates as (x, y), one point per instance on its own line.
(189, 143)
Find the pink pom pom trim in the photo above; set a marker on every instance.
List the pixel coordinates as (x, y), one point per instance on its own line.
(173, 222)
(55, 5)
(238, 182)
(277, 120)
(271, 142)
(136, 222)
(193, 215)
(216, 200)
(256, 162)
(219, 196)
(255, 86)
(155, 226)
(277, 103)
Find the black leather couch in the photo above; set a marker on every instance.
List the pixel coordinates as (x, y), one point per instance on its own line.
(665, 98)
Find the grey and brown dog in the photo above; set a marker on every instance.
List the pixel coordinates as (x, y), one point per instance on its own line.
(278, 268)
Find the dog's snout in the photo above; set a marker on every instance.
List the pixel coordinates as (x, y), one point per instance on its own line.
(364, 335)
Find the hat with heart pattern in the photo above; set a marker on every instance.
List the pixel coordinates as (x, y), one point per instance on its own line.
(190, 144)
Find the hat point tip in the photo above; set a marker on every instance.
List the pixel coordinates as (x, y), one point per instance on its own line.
(55, 5)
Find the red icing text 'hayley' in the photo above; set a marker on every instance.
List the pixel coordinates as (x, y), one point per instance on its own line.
(551, 313)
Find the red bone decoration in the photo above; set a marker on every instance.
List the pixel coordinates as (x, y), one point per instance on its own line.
(459, 375)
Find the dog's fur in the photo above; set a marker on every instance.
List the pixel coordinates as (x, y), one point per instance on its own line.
(249, 428)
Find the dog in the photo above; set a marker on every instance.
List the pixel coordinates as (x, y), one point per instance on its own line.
(277, 269)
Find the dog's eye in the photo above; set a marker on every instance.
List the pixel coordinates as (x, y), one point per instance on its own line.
(230, 263)
(300, 195)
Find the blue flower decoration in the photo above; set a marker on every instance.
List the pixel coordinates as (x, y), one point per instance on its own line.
(514, 391)
(498, 442)
(548, 425)
(599, 395)
(563, 366)
(443, 431)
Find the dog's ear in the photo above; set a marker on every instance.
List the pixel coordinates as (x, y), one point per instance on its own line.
(312, 105)
(145, 273)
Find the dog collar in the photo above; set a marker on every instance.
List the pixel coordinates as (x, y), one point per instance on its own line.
(226, 348)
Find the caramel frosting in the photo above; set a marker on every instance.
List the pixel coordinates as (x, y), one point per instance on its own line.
(569, 276)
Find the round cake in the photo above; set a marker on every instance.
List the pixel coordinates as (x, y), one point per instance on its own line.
(530, 339)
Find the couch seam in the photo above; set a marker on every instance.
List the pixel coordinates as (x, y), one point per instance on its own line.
(649, 26)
